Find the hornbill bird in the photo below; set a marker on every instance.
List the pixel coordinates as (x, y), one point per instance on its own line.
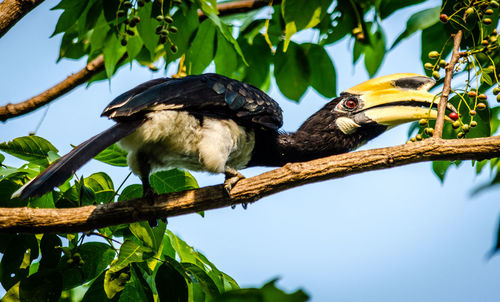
(213, 123)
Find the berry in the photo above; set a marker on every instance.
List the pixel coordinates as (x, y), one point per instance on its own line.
(481, 106)
(469, 11)
(418, 137)
(443, 18)
(164, 32)
(453, 116)
(121, 13)
(460, 134)
(442, 63)
(494, 4)
(498, 98)
(489, 11)
(423, 122)
(472, 112)
(158, 29)
(169, 19)
(496, 90)
(136, 19)
(130, 32)
(472, 94)
(473, 124)
(159, 18)
(408, 142)
(173, 48)
(455, 124)
(482, 96)
(429, 66)
(163, 39)
(127, 4)
(413, 139)
(465, 128)
(435, 75)
(360, 37)
(123, 42)
(173, 29)
(429, 131)
(487, 21)
(433, 54)
(485, 42)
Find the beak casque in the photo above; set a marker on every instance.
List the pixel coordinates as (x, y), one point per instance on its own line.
(398, 98)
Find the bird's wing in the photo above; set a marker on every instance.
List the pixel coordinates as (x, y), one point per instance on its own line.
(203, 95)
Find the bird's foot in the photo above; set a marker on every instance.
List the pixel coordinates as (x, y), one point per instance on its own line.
(232, 177)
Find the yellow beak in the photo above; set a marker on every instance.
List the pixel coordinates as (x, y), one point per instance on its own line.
(395, 99)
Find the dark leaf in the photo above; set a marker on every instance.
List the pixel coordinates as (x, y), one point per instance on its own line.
(170, 284)
(387, 7)
(322, 70)
(201, 52)
(291, 70)
(50, 247)
(43, 286)
(96, 291)
(375, 52)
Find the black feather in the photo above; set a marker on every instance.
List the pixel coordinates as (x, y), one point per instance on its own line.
(64, 167)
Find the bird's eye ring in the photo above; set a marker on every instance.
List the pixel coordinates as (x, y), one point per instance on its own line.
(351, 104)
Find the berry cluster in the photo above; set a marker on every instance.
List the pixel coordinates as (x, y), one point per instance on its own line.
(164, 29)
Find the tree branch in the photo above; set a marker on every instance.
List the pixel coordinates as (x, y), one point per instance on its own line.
(95, 66)
(12, 110)
(450, 67)
(11, 11)
(87, 218)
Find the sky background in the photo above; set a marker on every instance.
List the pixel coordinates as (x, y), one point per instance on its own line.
(389, 235)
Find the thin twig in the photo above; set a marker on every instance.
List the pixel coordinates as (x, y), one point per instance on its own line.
(438, 130)
(29, 220)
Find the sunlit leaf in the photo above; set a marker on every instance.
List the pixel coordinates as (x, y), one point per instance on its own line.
(30, 148)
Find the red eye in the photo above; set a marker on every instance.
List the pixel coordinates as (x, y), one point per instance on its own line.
(351, 103)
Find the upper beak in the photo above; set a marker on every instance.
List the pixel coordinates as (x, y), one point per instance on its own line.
(395, 99)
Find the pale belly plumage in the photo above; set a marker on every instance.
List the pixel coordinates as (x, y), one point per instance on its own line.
(177, 139)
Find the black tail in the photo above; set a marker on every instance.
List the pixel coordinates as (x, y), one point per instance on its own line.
(64, 167)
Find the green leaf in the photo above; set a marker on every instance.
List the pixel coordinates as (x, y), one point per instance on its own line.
(200, 278)
(433, 39)
(170, 284)
(134, 46)
(45, 201)
(322, 70)
(12, 295)
(114, 282)
(375, 52)
(30, 148)
(99, 34)
(269, 292)
(137, 289)
(144, 233)
(419, 21)
(259, 58)
(72, 11)
(20, 252)
(96, 256)
(130, 252)
(440, 168)
(225, 59)
(201, 52)
(41, 286)
(291, 70)
(96, 291)
(300, 14)
(2, 158)
(131, 192)
(113, 52)
(387, 7)
(102, 186)
(174, 180)
(51, 251)
(146, 29)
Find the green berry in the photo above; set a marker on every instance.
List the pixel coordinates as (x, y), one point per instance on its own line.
(456, 124)
(429, 66)
(173, 48)
(473, 124)
(173, 29)
(127, 4)
(487, 21)
(494, 4)
(418, 137)
(429, 131)
(469, 11)
(159, 18)
(442, 63)
(489, 11)
(485, 42)
(413, 139)
(465, 128)
(433, 54)
(472, 112)
(121, 13)
(498, 98)
(460, 134)
(435, 75)
(169, 19)
(423, 122)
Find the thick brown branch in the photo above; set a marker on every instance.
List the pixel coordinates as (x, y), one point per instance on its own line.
(238, 7)
(247, 190)
(12, 11)
(438, 129)
(12, 110)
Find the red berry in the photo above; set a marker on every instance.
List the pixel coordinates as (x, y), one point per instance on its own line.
(443, 18)
(453, 116)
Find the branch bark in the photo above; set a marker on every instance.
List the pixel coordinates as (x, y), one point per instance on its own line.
(438, 129)
(11, 11)
(12, 110)
(87, 218)
(95, 66)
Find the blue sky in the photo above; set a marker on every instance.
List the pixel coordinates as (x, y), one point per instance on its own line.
(387, 235)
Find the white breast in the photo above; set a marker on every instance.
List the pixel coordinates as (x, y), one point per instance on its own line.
(176, 139)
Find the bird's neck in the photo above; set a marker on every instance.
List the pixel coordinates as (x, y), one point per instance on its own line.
(306, 144)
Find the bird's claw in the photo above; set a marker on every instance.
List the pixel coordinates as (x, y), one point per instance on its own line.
(232, 177)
